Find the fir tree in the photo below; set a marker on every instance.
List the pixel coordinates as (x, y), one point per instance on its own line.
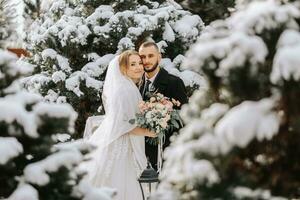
(209, 10)
(73, 43)
(240, 141)
(7, 21)
(31, 166)
(32, 8)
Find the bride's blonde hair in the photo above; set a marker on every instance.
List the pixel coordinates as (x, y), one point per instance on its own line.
(124, 60)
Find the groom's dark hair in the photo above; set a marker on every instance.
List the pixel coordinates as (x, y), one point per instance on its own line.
(149, 44)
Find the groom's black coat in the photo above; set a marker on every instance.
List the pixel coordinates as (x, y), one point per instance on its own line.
(170, 86)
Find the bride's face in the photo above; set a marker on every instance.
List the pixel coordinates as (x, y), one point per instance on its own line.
(135, 69)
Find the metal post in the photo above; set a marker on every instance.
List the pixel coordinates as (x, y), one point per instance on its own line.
(142, 191)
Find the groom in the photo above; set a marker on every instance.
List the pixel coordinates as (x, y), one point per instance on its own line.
(157, 79)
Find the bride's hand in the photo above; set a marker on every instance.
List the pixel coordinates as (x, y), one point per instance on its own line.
(143, 132)
(149, 133)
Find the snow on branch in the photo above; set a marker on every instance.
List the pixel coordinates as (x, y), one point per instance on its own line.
(286, 64)
(9, 148)
(232, 49)
(24, 192)
(38, 172)
(247, 121)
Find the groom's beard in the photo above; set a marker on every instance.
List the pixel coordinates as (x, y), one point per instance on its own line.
(151, 69)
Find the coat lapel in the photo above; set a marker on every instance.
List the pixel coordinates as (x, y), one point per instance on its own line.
(161, 80)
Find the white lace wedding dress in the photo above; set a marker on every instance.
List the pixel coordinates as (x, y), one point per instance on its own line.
(120, 157)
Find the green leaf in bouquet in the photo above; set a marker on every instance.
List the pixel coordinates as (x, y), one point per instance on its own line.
(142, 121)
(176, 116)
(175, 124)
(132, 121)
(159, 115)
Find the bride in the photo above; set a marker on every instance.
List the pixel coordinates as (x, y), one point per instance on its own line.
(120, 156)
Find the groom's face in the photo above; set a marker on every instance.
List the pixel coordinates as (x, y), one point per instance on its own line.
(150, 57)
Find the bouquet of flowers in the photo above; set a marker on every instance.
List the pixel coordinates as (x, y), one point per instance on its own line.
(157, 115)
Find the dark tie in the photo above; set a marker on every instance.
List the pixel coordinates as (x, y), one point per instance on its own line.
(146, 88)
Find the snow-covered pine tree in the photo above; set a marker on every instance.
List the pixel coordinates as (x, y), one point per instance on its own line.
(74, 42)
(241, 138)
(33, 10)
(209, 10)
(31, 167)
(7, 21)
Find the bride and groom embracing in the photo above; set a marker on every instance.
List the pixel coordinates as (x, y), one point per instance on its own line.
(121, 153)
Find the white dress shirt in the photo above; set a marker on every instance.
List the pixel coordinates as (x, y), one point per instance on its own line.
(151, 80)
